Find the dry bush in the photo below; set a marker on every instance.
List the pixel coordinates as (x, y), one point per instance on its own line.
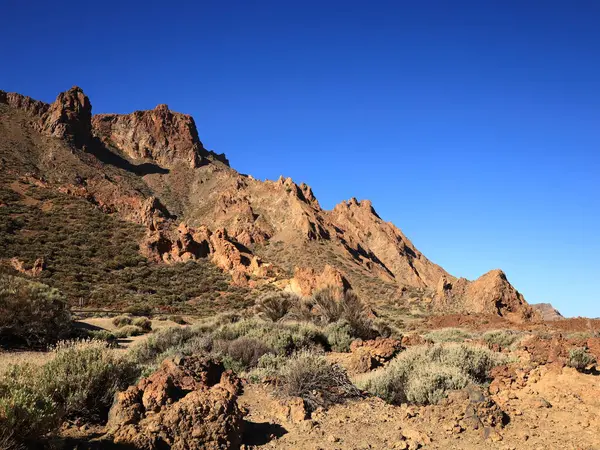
(143, 322)
(178, 320)
(240, 354)
(424, 374)
(276, 305)
(580, 358)
(32, 313)
(80, 381)
(311, 377)
(26, 412)
(121, 321)
(449, 335)
(331, 304)
(502, 338)
(128, 331)
(147, 351)
(283, 338)
(84, 376)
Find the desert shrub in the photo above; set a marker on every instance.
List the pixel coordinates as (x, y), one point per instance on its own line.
(32, 313)
(502, 338)
(26, 412)
(276, 305)
(283, 338)
(143, 322)
(339, 336)
(424, 374)
(128, 331)
(162, 340)
(449, 335)
(268, 367)
(101, 335)
(139, 310)
(331, 304)
(241, 354)
(311, 377)
(580, 358)
(84, 376)
(121, 321)
(178, 320)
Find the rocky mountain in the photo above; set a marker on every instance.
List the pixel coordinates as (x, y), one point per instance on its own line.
(547, 311)
(150, 168)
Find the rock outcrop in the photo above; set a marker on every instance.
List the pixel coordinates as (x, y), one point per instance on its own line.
(547, 311)
(307, 280)
(160, 135)
(188, 403)
(489, 294)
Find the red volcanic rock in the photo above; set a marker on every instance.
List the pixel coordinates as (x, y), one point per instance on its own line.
(188, 403)
(489, 294)
(70, 116)
(307, 280)
(161, 135)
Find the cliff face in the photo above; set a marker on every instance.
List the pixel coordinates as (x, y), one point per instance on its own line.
(244, 225)
(159, 135)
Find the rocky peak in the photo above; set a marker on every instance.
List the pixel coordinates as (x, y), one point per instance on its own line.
(70, 116)
(162, 135)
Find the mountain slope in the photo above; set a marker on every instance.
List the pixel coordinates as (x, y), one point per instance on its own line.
(150, 168)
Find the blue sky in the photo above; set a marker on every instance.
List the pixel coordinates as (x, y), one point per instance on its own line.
(474, 126)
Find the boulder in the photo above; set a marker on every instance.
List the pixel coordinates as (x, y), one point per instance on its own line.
(188, 403)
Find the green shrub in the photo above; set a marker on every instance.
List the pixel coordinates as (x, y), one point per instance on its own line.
(240, 354)
(283, 338)
(121, 321)
(449, 335)
(311, 377)
(580, 358)
(339, 336)
(147, 351)
(26, 412)
(502, 338)
(276, 305)
(331, 304)
(268, 367)
(423, 374)
(101, 335)
(143, 322)
(128, 331)
(32, 313)
(84, 376)
(178, 320)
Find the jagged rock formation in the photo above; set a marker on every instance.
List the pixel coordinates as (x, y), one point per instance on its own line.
(150, 167)
(489, 294)
(160, 135)
(188, 403)
(547, 311)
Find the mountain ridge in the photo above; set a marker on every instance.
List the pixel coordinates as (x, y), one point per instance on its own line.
(194, 205)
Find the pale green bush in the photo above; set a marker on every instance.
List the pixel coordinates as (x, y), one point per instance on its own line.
(339, 336)
(84, 376)
(143, 322)
(449, 335)
(423, 374)
(121, 321)
(502, 338)
(580, 358)
(32, 313)
(128, 331)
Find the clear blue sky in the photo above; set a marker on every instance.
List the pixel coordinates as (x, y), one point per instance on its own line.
(473, 126)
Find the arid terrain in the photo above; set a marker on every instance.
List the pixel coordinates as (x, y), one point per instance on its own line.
(153, 297)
